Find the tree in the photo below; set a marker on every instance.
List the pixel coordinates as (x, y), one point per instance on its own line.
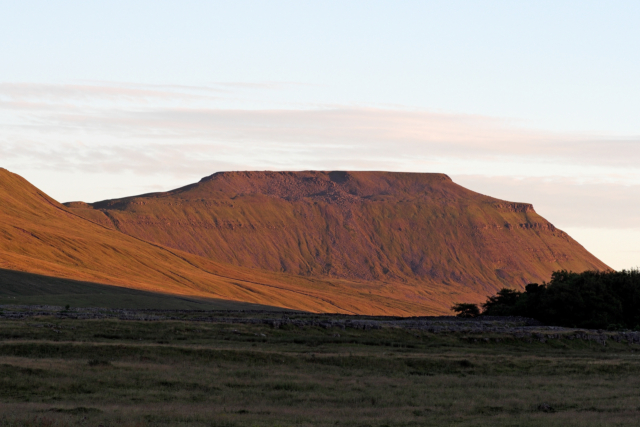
(502, 304)
(591, 299)
(466, 310)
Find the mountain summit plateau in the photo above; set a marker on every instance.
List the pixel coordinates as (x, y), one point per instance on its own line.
(411, 228)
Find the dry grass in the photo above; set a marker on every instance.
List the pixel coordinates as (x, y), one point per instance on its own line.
(114, 373)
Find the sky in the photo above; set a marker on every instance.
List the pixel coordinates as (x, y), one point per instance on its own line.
(533, 102)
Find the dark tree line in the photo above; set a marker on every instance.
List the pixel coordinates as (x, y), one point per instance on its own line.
(593, 299)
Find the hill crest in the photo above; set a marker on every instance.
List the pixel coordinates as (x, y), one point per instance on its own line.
(368, 226)
(42, 237)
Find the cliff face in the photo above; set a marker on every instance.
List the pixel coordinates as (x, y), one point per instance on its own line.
(363, 226)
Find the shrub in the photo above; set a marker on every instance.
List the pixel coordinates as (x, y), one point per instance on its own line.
(466, 310)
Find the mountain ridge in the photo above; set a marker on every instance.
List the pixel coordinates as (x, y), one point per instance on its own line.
(368, 226)
(40, 236)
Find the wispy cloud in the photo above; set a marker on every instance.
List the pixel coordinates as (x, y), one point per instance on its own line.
(70, 95)
(183, 131)
(334, 134)
(99, 92)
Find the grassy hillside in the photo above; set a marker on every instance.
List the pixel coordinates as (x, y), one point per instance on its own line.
(33, 289)
(40, 236)
(372, 226)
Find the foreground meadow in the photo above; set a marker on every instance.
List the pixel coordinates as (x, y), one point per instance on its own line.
(109, 372)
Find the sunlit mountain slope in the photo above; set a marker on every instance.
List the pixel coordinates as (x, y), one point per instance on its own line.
(401, 228)
(39, 235)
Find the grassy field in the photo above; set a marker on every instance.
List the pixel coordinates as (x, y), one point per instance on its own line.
(57, 372)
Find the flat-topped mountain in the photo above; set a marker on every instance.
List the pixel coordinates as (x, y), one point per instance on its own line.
(40, 236)
(382, 227)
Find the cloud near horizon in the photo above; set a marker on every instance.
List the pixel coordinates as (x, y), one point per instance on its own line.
(565, 201)
(106, 122)
(188, 133)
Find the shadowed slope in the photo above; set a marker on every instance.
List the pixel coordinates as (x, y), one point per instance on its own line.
(21, 288)
(370, 226)
(38, 235)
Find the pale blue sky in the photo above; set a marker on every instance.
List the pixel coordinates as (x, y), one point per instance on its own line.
(530, 101)
(559, 65)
